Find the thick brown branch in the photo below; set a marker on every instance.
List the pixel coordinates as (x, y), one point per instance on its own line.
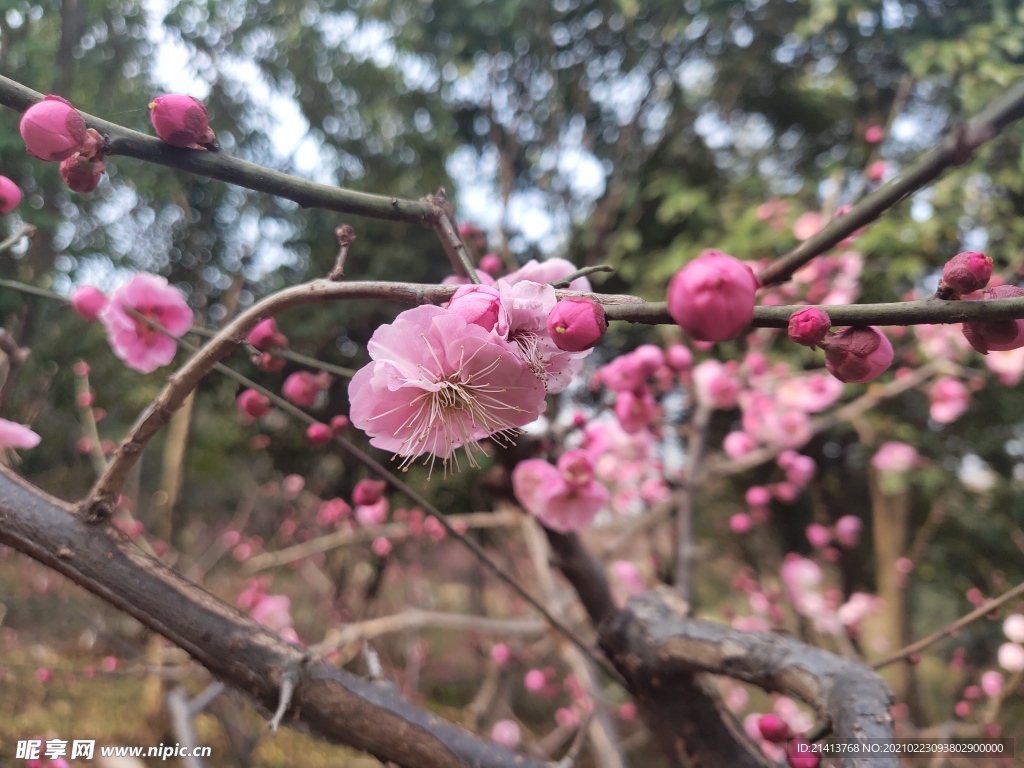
(955, 150)
(327, 701)
(655, 645)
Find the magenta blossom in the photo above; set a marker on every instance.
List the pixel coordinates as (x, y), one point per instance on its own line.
(438, 383)
(14, 435)
(997, 335)
(576, 325)
(303, 388)
(858, 355)
(53, 130)
(89, 302)
(265, 336)
(10, 195)
(141, 346)
(712, 297)
(809, 326)
(182, 121)
(966, 273)
(253, 404)
(492, 264)
(563, 501)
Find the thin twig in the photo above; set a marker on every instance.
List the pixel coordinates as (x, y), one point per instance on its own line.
(979, 612)
(346, 236)
(288, 680)
(565, 281)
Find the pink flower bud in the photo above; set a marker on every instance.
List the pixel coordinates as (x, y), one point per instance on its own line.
(877, 170)
(966, 272)
(368, 492)
(381, 547)
(319, 434)
(534, 681)
(339, 423)
(818, 535)
(774, 729)
(808, 225)
(10, 195)
(53, 130)
(848, 529)
(477, 304)
(492, 264)
(712, 297)
(82, 174)
(506, 733)
(182, 121)
(737, 444)
(874, 134)
(302, 388)
(268, 363)
(991, 683)
(809, 326)
(679, 357)
(500, 654)
(997, 335)
(88, 302)
(576, 325)
(949, 399)
(758, 496)
(895, 457)
(858, 355)
(265, 336)
(740, 523)
(799, 754)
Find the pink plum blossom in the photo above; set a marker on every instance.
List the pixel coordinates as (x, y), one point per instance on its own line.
(965, 273)
(477, 304)
(1011, 657)
(1013, 628)
(140, 346)
(534, 681)
(712, 297)
(991, 683)
(381, 547)
(371, 515)
(774, 729)
(506, 733)
(82, 173)
(818, 535)
(1008, 366)
(522, 323)
(273, 612)
(319, 433)
(547, 271)
(738, 444)
(799, 469)
(500, 654)
(181, 121)
(492, 264)
(564, 499)
(629, 575)
(716, 385)
(89, 302)
(576, 325)
(52, 129)
(949, 399)
(10, 195)
(438, 383)
(13, 435)
(758, 496)
(253, 404)
(679, 357)
(809, 326)
(368, 492)
(997, 335)
(876, 171)
(265, 336)
(848, 528)
(810, 393)
(858, 355)
(740, 523)
(636, 410)
(894, 457)
(808, 225)
(874, 134)
(303, 388)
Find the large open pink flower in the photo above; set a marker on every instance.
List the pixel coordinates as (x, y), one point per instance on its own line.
(141, 346)
(564, 498)
(438, 383)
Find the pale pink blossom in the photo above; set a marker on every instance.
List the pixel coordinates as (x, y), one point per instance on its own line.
(1008, 366)
(848, 528)
(894, 457)
(483, 277)
(949, 399)
(1011, 657)
(992, 683)
(13, 435)
(563, 501)
(712, 297)
(332, 510)
(808, 225)
(857, 608)
(438, 383)
(547, 271)
(374, 514)
(629, 575)
(716, 385)
(758, 496)
(636, 410)
(500, 654)
(944, 342)
(679, 357)
(811, 393)
(139, 345)
(506, 733)
(738, 444)
(534, 681)
(381, 547)
(772, 424)
(799, 469)
(1013, 628)
(522, 322)
(477, 304)
(273, 611)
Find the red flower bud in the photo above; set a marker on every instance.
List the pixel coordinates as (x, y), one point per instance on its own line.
(774, 729)
(368, 492)
(182, 121)
(966, 272)
(10, 195)
(253, 403)
(712, 297)
(265, 336)
(809, 326)
(82, 174)
(576, 325)
(858, 355)
(319, 434)
(88, 302)
(52, 129)
(997, 335)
